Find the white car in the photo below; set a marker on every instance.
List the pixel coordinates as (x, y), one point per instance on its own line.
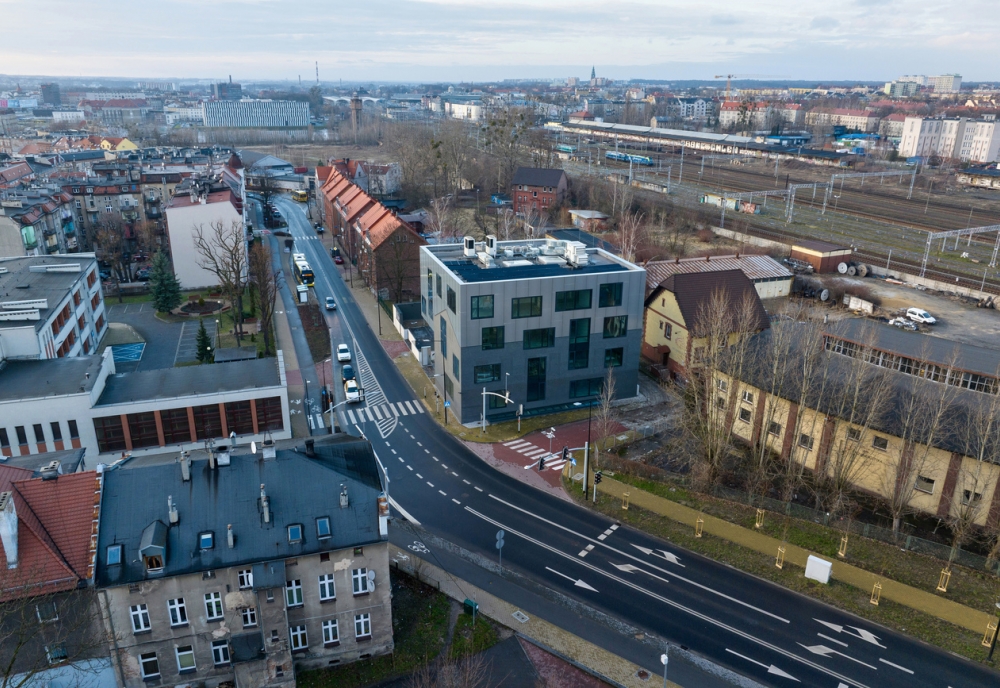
(919, 315)
(352, 392)
(343, 353)
(331, 305)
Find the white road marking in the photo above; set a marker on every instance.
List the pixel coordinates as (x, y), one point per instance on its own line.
(478, 489)
(402, 409)
(410, 407)
(443, 493)
(664, 554)
(420, 407)
(435, 458)
(430, 483)
(533, 452)
(667, 601)
(455, 500)
(832, 640)
(427, 451)
(614, 527)
(512, 443)
(585, 551)
(420, 476)
(557, 466)
(895, 666)
(393, 409)
(861, 634)
(403, 512)
(350, 415)
(771, 669)
(634, 558)
(444, 467)
(419, 445)
(602, 536)
(576, 581)
(466, 481)
(377, 413)
(393, 451)
(454, 474)
(409, 466)
(824, 651)
(400, 459)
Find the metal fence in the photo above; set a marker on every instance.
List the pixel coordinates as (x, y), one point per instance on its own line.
(910, 543)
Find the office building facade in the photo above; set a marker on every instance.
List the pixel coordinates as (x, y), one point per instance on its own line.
(256, 114)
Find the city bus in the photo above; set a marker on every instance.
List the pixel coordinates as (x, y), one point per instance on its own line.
(300, 196)
(303, 273)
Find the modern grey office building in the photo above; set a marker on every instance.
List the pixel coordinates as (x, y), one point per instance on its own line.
(260, 114)
(541, 318)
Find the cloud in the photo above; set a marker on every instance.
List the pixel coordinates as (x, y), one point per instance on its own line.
(824, 23)
(725, 20)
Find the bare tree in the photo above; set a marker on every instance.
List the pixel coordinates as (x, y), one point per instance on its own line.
(507, 227)
(222, 250)
(921, 411)
(502, 137)
(262, 277)
(631, 234)
(980, 442)
(112, 246)
(605, 419)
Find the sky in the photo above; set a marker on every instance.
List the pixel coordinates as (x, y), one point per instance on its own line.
(482, 40)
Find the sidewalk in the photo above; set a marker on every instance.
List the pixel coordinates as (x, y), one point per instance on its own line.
(928, 603)
(576, 650)
(296, 390)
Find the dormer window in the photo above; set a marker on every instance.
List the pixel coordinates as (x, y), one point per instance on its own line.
(114, 557)
(295, 533)
(206, 541)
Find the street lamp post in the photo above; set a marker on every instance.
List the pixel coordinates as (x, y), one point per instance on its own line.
(586, 448)
(506, 400)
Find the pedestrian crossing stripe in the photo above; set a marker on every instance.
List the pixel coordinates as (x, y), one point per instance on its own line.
(388, 410)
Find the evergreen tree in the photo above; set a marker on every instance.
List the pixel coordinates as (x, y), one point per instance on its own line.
(163, 284)
(204, 343)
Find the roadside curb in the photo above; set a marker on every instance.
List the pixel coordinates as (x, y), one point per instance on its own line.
(581, 653)
(914, 598)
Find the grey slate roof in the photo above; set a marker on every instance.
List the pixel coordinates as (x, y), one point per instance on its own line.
(171, 383)
(537, 176)
(48, 378)
(70, 460)
(300, 489)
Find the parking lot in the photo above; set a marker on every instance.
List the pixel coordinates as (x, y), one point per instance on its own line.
(167, 344)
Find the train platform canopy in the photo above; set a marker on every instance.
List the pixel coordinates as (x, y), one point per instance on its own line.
(822, 255)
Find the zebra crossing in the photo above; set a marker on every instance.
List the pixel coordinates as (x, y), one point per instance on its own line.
(387, 411)
(530, 451)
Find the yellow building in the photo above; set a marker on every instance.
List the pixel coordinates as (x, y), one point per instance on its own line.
(873, 451)
(676, 308)
(113, 143)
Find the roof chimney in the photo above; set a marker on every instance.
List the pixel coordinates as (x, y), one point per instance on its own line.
(185, 461)
(172, 511)
(230, 538)
(267, 451)
(8, 528)
(265, 504)
(51, 470)
(344, 502)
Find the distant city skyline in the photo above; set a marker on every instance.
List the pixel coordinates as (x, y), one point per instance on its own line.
(488, 40)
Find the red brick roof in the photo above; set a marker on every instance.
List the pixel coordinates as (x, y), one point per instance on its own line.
(57, 531)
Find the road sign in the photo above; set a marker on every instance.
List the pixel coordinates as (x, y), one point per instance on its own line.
(500, 535)
(447, 404)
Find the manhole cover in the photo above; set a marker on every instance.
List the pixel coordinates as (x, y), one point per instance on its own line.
(520, 616)
(642, 675)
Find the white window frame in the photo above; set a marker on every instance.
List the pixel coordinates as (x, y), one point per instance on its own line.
(147, 657)
(47, 619)
(298, 638)
(808, 444)
(327, 588)
(331, 632)
(220, 652)
(249, 617)
(747, 396)
(139, 614)
(246, 579)
(178, 612)
(213, 606)
(359, 581)
(749, 413)
(189, 651)
(876, 438)
(293, 590)
(362, 625)
(923, 484)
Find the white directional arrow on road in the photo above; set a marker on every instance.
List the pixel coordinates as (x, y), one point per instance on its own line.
(629, 568)
(771, 669)
(663, 554)
(861, 634)
(825, 651)
(576, 581)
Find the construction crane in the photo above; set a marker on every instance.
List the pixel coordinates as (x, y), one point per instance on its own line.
(729, 77)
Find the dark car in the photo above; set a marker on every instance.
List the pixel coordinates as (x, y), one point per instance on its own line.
(347, 373)
(142, 275)
(338, 260)
(282, 233)
(320, 229)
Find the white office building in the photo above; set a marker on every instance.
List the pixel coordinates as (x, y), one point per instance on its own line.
(956, 138)
(255, 114)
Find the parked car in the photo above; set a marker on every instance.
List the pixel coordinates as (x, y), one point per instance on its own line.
(343, 353)
(282, 233)
(347, 372)
(919, 315)
(320, 228)
(142, 275)
(352, 392)
(904, 324)
(331, 305)
(338, 260)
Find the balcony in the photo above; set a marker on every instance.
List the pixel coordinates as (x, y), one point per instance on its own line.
(51, 248)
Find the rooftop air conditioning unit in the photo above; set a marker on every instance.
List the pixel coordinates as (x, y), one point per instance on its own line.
(491, 245)
(470, 247)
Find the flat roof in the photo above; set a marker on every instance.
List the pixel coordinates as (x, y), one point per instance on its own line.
(530, 259)
(51, 377)
(817, 245)
(171, 383)
(21, 283)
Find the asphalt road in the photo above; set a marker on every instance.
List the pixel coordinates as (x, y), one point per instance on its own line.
(754, 628)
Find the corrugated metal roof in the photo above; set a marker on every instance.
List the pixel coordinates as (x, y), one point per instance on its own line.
(754, 267)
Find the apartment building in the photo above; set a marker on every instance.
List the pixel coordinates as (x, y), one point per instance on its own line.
(828, 436)
(198, 204)
(50, 307)
(244, 568)
(538, 189)
(541, 318)
(255, 114)
(80, 401)
(858, 120)
(35, 222)
(945, 83)
(759, 115)
(901, 89)
(956, 138)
